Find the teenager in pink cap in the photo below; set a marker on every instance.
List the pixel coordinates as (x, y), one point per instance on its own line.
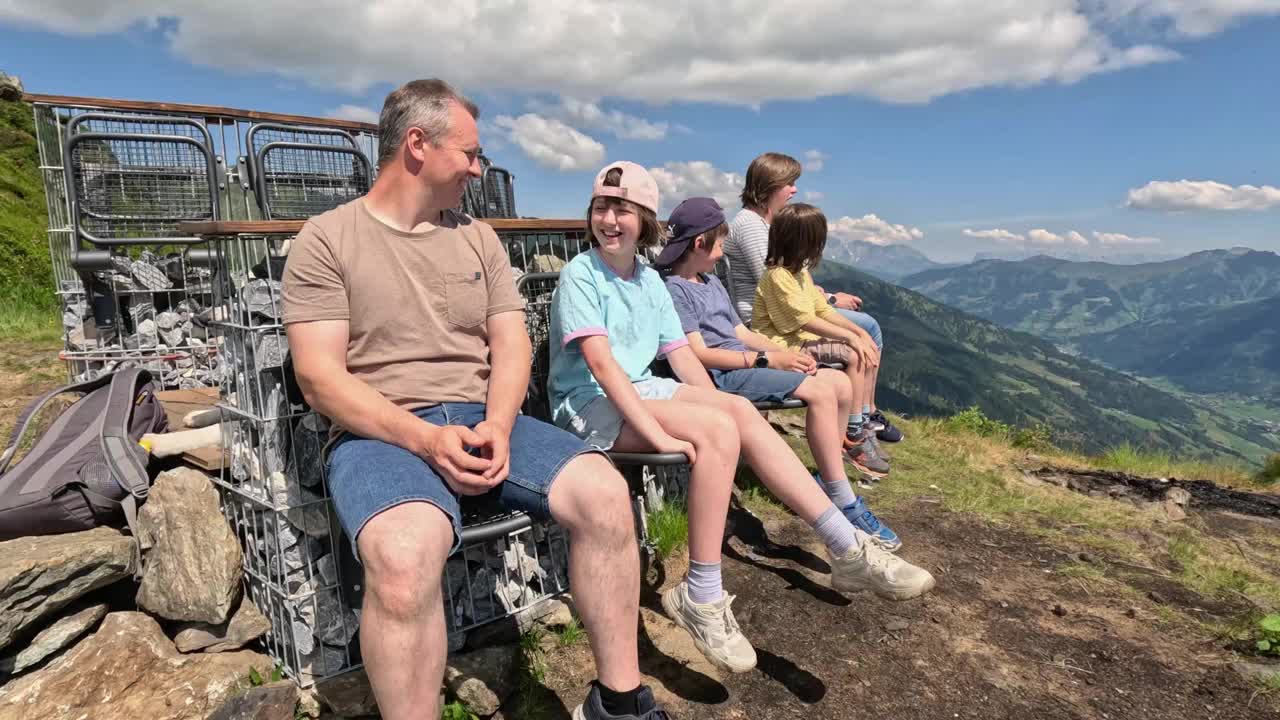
(611, 317)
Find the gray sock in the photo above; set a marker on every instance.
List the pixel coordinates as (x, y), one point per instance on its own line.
(836, 531)
(704, 582)
(854, 429)
(840, 492)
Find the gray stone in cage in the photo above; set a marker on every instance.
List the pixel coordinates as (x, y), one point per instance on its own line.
(331, 622)
(168, 320)
(270, 350)
(262, 297)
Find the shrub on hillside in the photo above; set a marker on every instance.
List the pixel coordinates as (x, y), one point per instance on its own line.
(1270, 474)
(975, 421)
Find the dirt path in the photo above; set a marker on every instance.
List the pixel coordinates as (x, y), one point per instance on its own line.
(1005, 634)
(27, 369)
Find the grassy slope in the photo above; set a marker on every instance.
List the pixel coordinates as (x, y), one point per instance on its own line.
(27, 303)
(939, 361)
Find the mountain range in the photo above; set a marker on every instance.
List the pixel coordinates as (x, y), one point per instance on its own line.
(889, 262)
(1207, 321)
(939, 360)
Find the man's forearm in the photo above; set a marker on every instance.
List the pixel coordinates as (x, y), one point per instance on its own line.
(357, 407)
(508, 381)
(724, 359)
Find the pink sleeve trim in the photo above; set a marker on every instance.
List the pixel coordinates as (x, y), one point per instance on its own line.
(673, 345)
(584, 332)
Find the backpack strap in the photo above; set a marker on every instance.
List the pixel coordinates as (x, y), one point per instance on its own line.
(33, 408)
(122, 452)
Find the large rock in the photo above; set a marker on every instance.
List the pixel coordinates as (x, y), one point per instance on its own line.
(192, 560)
(41, 575)
(348, 695)
(53, 638)
(10, 87)
(245, 626)
(129, 670)
(269, 702)
(483, 679)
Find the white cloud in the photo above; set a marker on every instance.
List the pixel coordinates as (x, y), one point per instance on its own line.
(590, 115)
(1110, 239)
(359, 113)
(814, 160)
(1202, 195)
(1040, 236)
(1190, 18)
(872, 229)
(813, 196)
(997, 234)
(697, 178)
(657, 51)
(551, 143)
(1075, 238)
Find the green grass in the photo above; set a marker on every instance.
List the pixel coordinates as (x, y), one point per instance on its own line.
(26, 272)
(456, 711)
(1139, 461)
(530, 696)
(571, 634)
(31, 322)
(1270, 473)
(669, 529)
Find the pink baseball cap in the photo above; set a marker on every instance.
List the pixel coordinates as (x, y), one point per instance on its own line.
(636, 185)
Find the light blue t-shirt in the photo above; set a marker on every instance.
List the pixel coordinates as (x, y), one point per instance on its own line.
(635, 313)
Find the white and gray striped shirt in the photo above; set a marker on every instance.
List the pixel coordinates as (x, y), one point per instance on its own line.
(746, 248)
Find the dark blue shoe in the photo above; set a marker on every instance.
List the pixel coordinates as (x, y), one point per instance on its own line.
(862, 518)
(593, 709)
(885, 430)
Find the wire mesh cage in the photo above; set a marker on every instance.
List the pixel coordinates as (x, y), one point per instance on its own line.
(498, 194)
(118, 181)
(303, 171)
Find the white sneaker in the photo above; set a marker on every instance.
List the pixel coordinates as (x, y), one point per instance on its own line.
(889, 576)
(715, 631)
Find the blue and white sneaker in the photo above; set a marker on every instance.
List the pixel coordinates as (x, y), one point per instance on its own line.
(862, 518)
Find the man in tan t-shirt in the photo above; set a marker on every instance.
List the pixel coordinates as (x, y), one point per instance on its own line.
(407, 332)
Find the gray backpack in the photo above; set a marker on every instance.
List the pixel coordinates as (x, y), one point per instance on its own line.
(87, 469)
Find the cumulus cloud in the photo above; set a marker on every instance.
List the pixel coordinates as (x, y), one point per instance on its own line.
(590, 115)
(814, 160)
(697, 178)
(1040, 236)
(872, 229)
(1075, 238)
(762, 51)
(1202, 195)
(1113, 239)
(551, 143)
(359, 113)
(997, 234)
(813, 196)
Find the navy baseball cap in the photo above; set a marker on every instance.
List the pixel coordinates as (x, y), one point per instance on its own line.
(690, 219)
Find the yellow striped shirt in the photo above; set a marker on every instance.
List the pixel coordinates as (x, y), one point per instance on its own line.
(784, 302)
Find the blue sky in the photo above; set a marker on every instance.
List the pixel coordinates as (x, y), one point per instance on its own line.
(957, 145)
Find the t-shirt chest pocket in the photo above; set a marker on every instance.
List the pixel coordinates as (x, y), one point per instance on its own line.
(466, 298)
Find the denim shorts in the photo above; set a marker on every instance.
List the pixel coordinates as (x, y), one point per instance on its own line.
(599, 422)
(866, 322)
(367, 477)
(758, 384)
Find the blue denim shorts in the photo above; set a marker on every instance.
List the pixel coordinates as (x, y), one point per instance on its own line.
(866, 322)
(758, 384)
(367, 477)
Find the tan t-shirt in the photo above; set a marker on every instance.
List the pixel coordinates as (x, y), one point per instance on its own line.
(416, 301)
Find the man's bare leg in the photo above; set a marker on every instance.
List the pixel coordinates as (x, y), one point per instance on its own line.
(402, 628)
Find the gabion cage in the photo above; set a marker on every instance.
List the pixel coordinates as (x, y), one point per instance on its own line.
(299, 568)
(120, 176)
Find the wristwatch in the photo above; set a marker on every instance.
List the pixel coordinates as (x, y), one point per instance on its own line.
(762, 360)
